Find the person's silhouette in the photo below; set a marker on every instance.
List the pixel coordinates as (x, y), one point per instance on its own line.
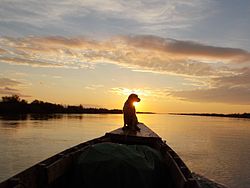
(129, 113)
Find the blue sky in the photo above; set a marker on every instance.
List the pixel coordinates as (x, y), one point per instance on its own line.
(223, 22)
(186, 55)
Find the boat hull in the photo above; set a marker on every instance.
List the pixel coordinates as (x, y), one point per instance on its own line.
(56, 170)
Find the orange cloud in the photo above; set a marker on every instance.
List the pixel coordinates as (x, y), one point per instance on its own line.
(2, 51)
(9, 87)
(145, 92)
(187, 48)
(6, 82)
(145, 53)
(214, 67)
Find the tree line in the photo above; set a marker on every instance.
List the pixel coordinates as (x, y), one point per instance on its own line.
(15, 105)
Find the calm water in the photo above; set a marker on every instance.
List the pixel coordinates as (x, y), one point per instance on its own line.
(218, 148)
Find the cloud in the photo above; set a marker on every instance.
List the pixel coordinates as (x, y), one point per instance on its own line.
(94, 86)
(10, 87)
(44, 17)
(146, 92)
(230, 95)
(10, 91)
(215, 74)
(187, 48)
(240, 79)
(31, 62)
(6, 82)
(225, 89)
(126, 91)
(2, 51)
(156, 12)
(57, 77)
(145, 53)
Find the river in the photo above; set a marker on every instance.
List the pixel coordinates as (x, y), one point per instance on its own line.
(216, 147)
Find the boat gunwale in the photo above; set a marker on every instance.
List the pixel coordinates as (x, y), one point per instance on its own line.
(43, 171)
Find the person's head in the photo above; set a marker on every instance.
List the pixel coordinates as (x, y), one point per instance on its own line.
(134, 98)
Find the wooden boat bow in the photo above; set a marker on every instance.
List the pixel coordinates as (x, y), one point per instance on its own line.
(54, 171)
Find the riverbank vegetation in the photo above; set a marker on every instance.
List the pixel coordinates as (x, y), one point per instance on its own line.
(15, 105)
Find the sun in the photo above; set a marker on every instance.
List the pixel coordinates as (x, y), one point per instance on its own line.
(135, 104)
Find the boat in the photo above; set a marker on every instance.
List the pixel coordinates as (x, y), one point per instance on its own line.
(56, 171)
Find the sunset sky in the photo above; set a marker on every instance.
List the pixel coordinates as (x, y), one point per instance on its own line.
(178, 56)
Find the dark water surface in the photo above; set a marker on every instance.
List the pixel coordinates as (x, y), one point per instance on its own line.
(218, 148)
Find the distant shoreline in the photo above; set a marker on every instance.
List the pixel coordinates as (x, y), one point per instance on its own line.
(16, 106)
(146, 113)
(236, 115)
(88, 111)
